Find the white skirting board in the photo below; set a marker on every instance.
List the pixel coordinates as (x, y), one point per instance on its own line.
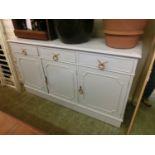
(82, 109)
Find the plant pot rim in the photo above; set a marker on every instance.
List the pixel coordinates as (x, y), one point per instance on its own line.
(123, 32)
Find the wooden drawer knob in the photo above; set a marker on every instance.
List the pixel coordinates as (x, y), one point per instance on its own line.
(56, 57)
(24, 52)
(101, 65)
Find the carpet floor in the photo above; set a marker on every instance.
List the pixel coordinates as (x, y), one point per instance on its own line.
(58, 120)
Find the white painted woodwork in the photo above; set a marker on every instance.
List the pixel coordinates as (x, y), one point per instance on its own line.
(8, 74)
(67, 56)
(103, 91)
(29, 49)
(95, 45)
(31, 72)
(61, 79)
(116, 64)
(74, 77)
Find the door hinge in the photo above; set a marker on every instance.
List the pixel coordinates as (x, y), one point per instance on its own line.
(46, 81)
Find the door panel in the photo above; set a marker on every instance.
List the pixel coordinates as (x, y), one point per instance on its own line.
(103, 91)
(61, 79)
(32, 72)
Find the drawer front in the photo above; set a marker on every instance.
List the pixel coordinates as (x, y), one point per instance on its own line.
(25, 50)
(55, 54)
(104, 62)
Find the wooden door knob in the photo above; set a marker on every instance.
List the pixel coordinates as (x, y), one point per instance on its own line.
(56, 57)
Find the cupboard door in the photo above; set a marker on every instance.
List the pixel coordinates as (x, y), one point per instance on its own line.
(103, 91)
(32, 72)
(61, 80)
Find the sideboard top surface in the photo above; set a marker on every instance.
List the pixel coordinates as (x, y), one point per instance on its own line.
(95, 45)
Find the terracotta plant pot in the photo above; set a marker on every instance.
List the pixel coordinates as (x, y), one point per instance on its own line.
(123, 33)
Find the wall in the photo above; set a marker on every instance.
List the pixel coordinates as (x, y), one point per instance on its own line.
(9, 28)
(98, 28)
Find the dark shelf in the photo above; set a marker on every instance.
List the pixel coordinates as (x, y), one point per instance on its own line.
(44, 31)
